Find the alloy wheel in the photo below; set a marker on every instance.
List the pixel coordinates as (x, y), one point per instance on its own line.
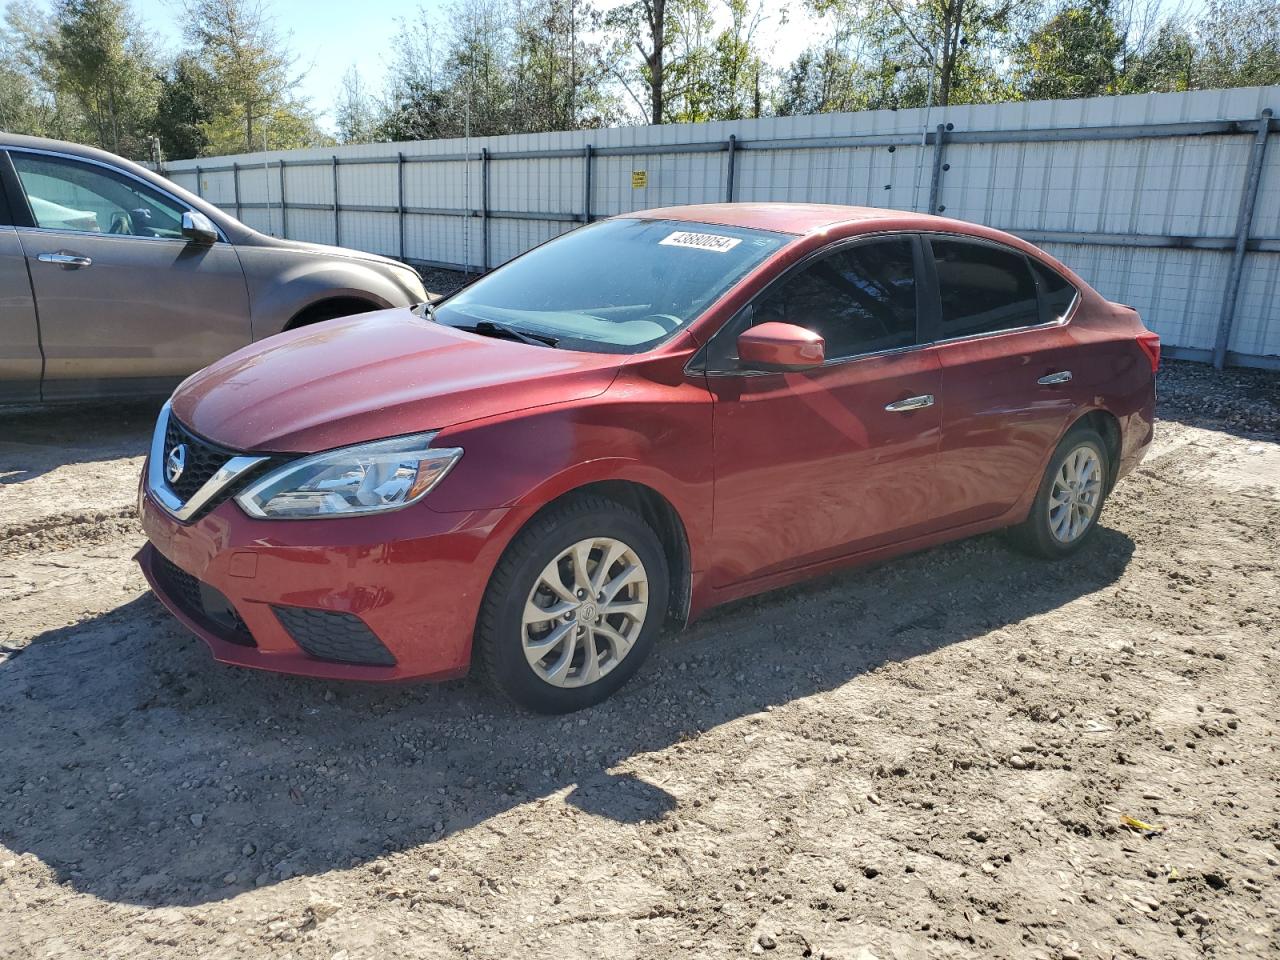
(1076, 493)
(585, 612)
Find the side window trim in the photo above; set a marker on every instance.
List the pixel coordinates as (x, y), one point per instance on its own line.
(14, 210)
(701, 361)
(89, 161)
(1041, 308)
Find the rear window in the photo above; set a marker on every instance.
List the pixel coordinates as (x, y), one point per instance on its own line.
(983, 288)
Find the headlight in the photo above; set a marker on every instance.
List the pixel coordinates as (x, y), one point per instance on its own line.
(368, 478)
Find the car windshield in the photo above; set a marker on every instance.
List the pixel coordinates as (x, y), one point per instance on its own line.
(618, 286)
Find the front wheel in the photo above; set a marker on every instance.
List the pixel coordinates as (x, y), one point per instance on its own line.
(574, 606)
(1070, 498)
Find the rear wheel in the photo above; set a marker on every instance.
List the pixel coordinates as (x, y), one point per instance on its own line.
(1070, 497)
(574, 606)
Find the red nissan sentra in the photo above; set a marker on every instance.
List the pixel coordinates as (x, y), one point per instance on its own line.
(626, 426)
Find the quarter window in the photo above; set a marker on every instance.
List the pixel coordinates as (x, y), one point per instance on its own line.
(983, 288)
(67, 195)
(1056, 293)
(861, 299)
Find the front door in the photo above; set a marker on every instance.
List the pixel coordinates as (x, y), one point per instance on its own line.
(125, 302)
(822, 463)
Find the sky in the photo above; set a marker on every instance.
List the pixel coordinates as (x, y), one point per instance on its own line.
(330, 36)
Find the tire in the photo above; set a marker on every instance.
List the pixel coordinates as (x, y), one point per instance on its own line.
(1051, 530)
(543, 661)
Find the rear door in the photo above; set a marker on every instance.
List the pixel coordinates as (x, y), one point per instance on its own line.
(1007, 378)
(20, 358)
(125, 302)
(821, 463)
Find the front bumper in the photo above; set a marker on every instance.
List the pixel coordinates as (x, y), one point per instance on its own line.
(413, 579)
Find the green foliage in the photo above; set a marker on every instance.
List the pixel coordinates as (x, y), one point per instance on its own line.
(253, 103)
(1075, 53)
(184, 108)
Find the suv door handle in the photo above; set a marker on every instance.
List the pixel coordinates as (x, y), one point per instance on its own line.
(1062, 376)
(69, 261)
(911, 403)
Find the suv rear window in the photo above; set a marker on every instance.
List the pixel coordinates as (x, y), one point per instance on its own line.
(984, 288)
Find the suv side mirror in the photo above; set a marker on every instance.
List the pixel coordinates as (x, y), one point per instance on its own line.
(781, 346)
(198, 228)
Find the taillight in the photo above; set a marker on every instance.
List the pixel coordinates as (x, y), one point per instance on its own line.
(1150, 344)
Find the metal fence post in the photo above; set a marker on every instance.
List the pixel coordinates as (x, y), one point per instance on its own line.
(935, 180)
(199, 189)
(400, 200)
(484, 210)
(337, 215)
(284, 204)
(1244, 222)
(728, 185)
(235, 184)
(586, 183)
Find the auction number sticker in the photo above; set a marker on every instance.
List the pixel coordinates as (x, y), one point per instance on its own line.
(700, 241)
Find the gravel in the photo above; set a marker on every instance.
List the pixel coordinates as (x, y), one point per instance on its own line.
(923, 758)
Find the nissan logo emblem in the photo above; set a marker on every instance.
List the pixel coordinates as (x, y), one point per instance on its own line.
(176, 463)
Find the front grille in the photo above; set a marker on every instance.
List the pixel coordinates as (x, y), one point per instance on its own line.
(334, 635)
(201, 602)
(204, 459)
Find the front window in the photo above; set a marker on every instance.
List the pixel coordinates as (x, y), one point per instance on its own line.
(618, 286)
(84, 198)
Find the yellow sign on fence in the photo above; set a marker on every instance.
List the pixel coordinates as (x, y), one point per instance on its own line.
(639, 179)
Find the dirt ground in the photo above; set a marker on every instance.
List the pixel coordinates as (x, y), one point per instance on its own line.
(929, 758)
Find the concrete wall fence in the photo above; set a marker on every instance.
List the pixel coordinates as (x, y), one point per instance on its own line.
(1167, 202)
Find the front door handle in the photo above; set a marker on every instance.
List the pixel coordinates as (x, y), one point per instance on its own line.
(911, 403)
(68, 261)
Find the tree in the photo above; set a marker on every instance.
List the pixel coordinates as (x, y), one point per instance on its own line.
(185, 108)
(1075, 53)
(1239, 43)
(1165, 64)
(253, 73)
(642, 26)
(354, 112)
(97, 56)
(560, 70)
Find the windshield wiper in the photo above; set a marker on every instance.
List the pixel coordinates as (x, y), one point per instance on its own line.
(492, 328)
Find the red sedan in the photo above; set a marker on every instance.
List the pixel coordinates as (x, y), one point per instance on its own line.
(626, 426)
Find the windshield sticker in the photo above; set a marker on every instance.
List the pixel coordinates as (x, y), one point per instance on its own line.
(700, 241)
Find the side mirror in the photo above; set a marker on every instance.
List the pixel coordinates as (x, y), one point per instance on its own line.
(781, 346)
(198, 228)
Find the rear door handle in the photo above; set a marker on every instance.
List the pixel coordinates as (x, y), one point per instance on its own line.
(69, 261)
(911, 403)
(1062, 376)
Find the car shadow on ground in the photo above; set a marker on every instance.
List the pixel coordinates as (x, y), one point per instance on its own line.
(45, 438)
(140, 772)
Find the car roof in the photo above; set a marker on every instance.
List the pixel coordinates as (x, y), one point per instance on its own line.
(57, 146)
(795, 218)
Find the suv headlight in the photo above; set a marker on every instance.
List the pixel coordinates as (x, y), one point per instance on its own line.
(368, 478)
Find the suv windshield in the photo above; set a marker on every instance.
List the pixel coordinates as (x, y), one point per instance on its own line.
(618, 286)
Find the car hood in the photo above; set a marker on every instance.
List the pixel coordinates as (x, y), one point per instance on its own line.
(319, 250)
(376, 375)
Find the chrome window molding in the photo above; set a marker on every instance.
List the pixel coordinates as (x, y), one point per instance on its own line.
(63, 232)
(222, 237)
(1061, 321)
(159, 489)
